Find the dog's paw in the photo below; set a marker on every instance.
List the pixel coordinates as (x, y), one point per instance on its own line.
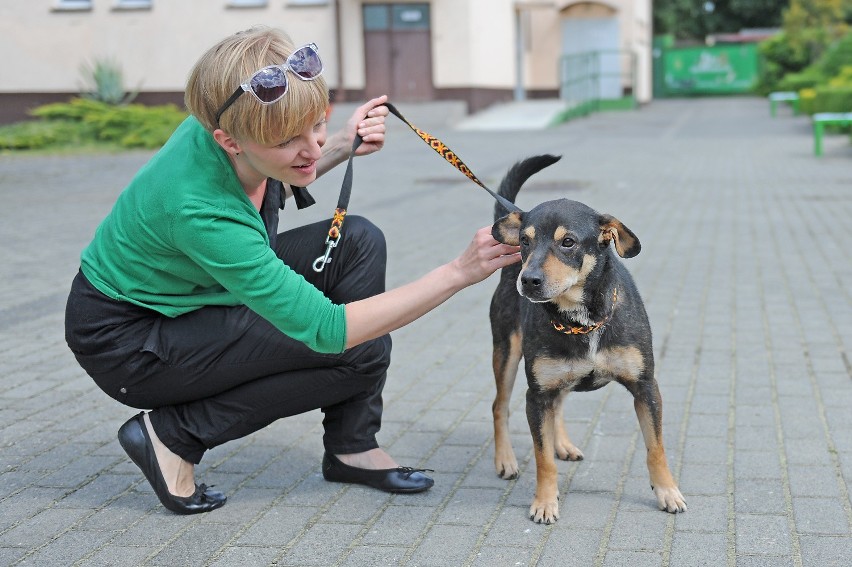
(544, 512)
(568, 452)
(508, 469)
(670, 499)
(505, 463)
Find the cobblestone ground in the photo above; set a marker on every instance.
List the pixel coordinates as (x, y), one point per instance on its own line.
(746, 273)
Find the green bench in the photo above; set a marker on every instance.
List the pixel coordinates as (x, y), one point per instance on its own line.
(821, 119)
(789, 97)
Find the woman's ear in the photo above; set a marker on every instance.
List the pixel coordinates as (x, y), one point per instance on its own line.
(227, 142)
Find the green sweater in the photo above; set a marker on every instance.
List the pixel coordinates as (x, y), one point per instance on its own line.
(184, 235)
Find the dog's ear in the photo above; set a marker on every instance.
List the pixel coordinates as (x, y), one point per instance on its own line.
(507, 229)
(626, 243)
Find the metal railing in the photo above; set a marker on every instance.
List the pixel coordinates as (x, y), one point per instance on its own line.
(598, 80)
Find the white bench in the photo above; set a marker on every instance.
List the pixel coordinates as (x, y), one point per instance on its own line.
(789, 97)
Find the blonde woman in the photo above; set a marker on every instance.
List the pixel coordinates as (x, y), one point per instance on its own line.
(189, 303)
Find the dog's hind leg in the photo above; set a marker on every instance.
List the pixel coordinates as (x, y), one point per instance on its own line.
(649, 411)
(506, 358)
(565, 448)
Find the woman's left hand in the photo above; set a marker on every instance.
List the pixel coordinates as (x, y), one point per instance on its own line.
(369, 123)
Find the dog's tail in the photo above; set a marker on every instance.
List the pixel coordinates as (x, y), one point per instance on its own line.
(517, 176)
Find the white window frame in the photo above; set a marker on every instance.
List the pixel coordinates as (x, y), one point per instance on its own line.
(247, 3)
(296, 3)
(133, 5)
(71, 5)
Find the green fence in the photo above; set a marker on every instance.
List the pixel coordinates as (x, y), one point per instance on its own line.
(710, 70)
(597, 80)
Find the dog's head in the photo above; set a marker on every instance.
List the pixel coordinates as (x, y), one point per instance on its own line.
(561, 243)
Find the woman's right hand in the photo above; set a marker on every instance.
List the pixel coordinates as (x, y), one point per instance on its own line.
(484, 256)
(380, 314)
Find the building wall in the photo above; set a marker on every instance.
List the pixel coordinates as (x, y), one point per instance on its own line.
(474, 44)
(156, 48)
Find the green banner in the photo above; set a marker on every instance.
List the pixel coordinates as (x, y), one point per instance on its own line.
(720, 69)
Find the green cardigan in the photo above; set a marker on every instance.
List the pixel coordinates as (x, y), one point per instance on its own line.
(184, 235)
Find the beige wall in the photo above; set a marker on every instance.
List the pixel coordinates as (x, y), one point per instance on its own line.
(43, 50)
(473, 41)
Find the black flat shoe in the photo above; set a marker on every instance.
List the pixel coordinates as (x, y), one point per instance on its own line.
(398, 480)
(135, 441)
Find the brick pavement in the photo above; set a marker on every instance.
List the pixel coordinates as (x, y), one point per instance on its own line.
(745, 271)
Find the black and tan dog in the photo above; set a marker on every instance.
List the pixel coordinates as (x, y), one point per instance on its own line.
(572, 311)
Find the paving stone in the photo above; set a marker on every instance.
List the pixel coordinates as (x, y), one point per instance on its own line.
(714, 189)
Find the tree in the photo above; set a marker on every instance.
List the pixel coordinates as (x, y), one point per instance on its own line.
(696, 19)
(812, 25)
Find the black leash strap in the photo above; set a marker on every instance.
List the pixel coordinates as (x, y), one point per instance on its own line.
(346, 188)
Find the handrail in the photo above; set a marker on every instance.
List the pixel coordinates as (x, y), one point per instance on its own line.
(586, 82)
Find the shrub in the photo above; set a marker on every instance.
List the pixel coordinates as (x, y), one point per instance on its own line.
(807, 97)
(37, 135)
(87, 122)
(778, 59)
(806, 79)
(135, 125)
(837, 57)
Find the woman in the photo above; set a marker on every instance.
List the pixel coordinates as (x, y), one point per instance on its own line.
(190, 303)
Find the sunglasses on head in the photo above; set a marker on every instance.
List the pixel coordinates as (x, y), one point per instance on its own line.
(270, 83)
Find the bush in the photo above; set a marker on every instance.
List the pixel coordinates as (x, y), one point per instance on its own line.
(794, 62)
(807, 79)
(837, 57)
(779, 58)
(834, 95)
(89, 122)
(37, 135)
(807, 98)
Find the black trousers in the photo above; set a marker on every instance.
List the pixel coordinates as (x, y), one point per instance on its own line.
(220, 373)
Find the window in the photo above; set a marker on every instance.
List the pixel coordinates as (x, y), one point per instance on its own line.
(307, 2)
(71, 5)
(379, 17)
(247, 3)
(411, 16)
(132, 5)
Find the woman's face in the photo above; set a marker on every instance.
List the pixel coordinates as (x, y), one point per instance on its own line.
(292, 161)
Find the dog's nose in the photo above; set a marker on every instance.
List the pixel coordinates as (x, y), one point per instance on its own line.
(531, 281)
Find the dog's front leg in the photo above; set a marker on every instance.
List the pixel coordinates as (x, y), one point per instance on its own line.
(540, 415)
(649, 411)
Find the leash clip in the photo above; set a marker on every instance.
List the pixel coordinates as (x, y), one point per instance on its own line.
(321, 261)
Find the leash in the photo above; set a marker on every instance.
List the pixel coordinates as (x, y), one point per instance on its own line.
(334, 232)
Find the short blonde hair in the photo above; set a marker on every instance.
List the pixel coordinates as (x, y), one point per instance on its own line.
(230, 62)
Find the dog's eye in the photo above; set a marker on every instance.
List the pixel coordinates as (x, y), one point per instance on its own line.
(568, 243)
(525, 240)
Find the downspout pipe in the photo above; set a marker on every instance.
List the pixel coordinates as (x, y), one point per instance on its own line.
(520, 93)
(340, 94)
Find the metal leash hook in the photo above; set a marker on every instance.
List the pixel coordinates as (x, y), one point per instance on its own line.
(334, 232)
(321, 261)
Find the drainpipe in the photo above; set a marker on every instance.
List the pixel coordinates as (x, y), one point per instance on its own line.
(520, 93)
(340, 95)
(522, 9)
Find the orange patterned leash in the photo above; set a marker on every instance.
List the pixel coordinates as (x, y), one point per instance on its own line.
(346, 188)
(451, 157)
